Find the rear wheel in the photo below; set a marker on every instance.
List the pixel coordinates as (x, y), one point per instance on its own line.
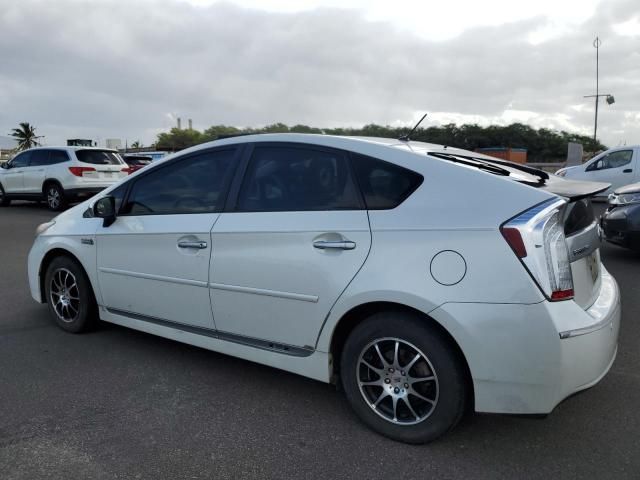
(69, 295)
(54, 194)
(403, 377)
(4, 200)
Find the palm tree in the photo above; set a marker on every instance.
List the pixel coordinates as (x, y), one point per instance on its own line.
(26, 136)
(136, 144)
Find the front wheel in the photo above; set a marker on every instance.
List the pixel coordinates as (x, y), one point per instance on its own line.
(69, 296)
(4, 200)
(56, 200)
(403, 377)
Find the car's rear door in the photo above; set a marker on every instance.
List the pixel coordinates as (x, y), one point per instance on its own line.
(294, 239)
(153, 262)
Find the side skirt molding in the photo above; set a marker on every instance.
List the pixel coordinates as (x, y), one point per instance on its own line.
(226, 336)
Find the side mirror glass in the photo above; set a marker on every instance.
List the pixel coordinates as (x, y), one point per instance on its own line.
(105, 208)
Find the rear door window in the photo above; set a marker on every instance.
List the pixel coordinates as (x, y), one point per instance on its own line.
(58, 156)
(98, 157)
(295, 179)
(384, 185)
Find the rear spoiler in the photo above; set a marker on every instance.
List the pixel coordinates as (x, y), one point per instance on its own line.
(573, 189)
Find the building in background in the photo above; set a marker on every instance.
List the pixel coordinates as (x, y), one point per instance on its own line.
(517, 155)
(114, 143)
(79, 142)
(7, 148)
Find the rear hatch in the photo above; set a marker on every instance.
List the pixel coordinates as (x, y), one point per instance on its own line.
(101, 165)
(579, 222)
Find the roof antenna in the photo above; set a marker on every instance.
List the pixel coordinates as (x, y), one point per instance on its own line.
(405, 138)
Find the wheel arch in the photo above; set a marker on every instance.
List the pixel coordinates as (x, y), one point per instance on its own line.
(46, 261)
(49, 181)
(360, 313)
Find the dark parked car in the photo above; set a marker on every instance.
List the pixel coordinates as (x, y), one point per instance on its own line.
(136, 162)
(621, 221)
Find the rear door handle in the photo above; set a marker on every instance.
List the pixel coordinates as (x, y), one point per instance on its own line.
(340, 245)
(197, 244)
(627, 170)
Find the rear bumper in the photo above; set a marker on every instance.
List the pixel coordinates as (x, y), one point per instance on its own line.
(525, 359)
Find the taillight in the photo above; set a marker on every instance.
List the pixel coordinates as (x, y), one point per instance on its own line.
(79, 171)
(129, 170)
(537, 237)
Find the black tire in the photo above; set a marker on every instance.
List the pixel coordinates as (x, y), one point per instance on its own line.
(422, 421)
(80, 313)
(4, 201)
(55, 197)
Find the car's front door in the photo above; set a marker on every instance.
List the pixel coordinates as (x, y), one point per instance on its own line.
(616, 168)
(153, 262)
(13, 178)
(296, 237)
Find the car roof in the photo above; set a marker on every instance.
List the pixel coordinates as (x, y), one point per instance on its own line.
(339, 142)
(74, 148)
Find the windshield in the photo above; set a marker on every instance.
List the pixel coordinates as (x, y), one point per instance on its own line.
(99, 157)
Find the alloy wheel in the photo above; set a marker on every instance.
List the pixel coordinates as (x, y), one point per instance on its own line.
(53, 198)
(65, 295)
(397, 381)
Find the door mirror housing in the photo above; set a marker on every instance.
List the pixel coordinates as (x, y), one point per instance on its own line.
(597, 165)
(105, 208)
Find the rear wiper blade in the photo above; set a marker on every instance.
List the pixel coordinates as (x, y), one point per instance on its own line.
(518, 166)
(472, 162)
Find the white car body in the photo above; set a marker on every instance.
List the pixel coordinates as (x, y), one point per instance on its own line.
(28, 174)
(259, 291)
(618, 166)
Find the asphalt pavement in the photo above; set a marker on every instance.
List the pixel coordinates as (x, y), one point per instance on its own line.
(117, 403)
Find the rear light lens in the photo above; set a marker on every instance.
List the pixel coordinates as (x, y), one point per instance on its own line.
(537, 238)
(129, 170)
(79, 171)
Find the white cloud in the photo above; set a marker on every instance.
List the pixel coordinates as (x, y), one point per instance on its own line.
(118, 69)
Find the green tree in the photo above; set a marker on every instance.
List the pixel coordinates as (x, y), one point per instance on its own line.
(541, 144)
(136, 144)
(178, 139)
(26, 136)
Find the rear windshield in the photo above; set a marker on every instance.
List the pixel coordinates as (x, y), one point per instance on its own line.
(137, 160)
(98, 157)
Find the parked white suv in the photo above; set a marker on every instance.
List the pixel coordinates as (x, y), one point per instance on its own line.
(424, 279)
(59, 175)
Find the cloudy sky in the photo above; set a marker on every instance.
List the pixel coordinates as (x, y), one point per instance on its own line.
(126, 69)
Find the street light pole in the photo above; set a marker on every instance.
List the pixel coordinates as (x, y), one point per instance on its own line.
(609, 98)
(596, 43)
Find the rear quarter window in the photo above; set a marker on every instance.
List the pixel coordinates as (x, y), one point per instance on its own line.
(58, 156)
(384, 185)
(98, 157)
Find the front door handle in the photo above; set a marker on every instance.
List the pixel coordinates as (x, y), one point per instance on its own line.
(340, 245)
(197, 244)
(627, 170)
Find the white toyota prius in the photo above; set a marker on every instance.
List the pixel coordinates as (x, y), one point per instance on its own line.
(425, 280)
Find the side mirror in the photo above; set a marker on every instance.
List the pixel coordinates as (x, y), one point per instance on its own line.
(105, 208)
(5, 165)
